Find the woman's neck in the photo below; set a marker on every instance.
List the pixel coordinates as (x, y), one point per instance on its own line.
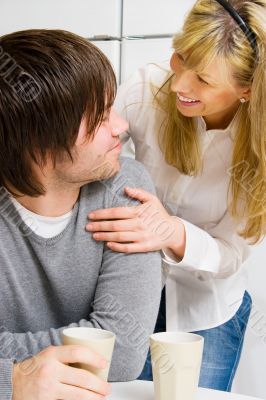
(220, 120)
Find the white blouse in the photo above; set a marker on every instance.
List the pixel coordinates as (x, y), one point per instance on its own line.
(205, 288)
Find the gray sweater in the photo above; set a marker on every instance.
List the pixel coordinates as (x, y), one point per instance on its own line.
(71, 280)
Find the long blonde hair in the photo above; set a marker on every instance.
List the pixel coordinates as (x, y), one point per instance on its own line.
(209, 31)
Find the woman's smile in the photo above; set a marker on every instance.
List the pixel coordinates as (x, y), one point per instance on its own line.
(186, 101)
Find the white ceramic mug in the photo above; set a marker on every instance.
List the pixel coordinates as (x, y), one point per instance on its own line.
(99, 340)
(176, 361)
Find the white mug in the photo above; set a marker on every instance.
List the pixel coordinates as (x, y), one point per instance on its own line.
(176, 361)
(99, 340)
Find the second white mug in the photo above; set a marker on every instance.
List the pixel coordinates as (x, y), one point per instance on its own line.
(176, 361)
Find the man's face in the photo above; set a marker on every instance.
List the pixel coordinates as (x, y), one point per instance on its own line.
(93, 159)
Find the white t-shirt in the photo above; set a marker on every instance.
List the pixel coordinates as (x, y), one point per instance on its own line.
(204, 289)
(46, 227)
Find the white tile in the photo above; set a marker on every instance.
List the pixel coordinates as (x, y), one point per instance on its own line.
(84, 17)
(136, 53)
(154, 17)
(111, 48)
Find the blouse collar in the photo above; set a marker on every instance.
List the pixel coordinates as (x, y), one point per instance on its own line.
(230, 129)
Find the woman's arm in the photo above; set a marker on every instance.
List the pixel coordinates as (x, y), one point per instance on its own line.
(148, 227)
(218, 250)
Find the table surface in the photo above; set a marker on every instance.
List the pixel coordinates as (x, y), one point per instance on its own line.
(143, 390)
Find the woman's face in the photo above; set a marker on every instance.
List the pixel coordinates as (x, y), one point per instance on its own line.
(207, 94)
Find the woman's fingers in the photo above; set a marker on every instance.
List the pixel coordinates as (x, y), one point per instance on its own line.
(114, 213)
(113, 226)
(118, 236)
(139, 194)
(141, 228)
(132, 247)
(123, 212)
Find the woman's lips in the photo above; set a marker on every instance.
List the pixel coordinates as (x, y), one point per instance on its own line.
(181, 100)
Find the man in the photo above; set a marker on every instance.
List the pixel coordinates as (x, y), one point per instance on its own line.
(59, 160)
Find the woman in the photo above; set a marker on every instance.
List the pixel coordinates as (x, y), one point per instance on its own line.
(199, 130)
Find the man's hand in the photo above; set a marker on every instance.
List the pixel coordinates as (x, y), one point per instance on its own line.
(48, 377)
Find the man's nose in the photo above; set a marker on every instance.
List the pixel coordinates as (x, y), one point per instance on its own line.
(182, 83)
(119, 125)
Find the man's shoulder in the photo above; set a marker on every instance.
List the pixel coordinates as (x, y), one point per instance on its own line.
(129, 166)
(132, 171)
(112, 191)
(132, 174)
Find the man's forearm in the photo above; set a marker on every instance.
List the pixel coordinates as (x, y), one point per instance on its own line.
(19, 346)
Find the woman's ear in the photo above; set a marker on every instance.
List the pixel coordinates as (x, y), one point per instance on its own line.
(245, 93)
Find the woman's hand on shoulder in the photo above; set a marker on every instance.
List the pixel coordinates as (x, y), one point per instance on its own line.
(142, 228)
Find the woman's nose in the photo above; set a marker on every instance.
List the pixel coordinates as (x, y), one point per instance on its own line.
(182, 83)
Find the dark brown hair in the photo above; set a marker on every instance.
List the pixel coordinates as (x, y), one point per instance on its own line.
(49, 80)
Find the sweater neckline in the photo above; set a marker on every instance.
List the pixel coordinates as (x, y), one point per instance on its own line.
(10, 210)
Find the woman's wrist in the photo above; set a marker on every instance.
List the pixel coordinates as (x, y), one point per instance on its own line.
(177, 241)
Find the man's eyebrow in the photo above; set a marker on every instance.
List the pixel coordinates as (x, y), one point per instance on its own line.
(107, 113)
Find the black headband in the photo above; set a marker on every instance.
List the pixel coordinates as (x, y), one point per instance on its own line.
(241, 23)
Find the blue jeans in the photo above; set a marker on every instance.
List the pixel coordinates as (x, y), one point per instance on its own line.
(222, 348)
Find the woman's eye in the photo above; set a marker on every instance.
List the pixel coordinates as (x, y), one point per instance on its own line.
(202, 80)
(180, 57)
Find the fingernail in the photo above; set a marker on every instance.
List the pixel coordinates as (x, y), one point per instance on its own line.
(91, 215)
(89, 226)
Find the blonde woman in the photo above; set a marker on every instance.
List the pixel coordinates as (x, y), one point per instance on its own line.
(199, 128)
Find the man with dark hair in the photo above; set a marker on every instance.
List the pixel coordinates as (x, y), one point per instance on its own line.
(59, 160)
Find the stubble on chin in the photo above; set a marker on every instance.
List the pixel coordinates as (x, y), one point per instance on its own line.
(104, 171)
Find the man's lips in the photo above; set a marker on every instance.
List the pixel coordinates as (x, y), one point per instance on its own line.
(117, 146)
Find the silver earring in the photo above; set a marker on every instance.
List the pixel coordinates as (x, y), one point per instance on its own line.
(242, 100)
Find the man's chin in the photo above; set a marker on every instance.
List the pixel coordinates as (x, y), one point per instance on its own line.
(108, 170)
(113, 169)
(102, 172)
